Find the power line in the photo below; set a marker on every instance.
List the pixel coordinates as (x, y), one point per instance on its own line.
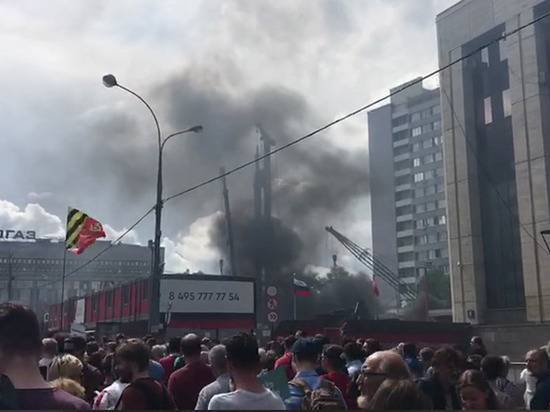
(313, 133)
(355, 112)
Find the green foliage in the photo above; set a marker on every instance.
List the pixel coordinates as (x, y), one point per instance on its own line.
(439, 290)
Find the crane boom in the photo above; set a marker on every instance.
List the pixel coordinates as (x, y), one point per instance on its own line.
(373, 263)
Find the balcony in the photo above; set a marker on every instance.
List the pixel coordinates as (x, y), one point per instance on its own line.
(405, 233)
(404, 156)
(402, 142)
(403, 172)
(406, 265)
(404, 218)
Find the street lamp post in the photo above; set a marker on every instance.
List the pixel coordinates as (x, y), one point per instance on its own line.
(154, 303)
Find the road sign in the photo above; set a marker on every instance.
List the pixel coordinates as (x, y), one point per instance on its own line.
(272, 317)
(271, 291)
(272, 304)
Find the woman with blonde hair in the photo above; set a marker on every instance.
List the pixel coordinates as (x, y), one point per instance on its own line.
(65, 372)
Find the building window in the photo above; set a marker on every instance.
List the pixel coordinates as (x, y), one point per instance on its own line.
(398, 121)
(422, 240)
(436, 109)
(417, 131)
(436, 125)
(506, 103)
(419, 193)
(430, 190)
(443, 220)
(415, 117)
(488, 110)
(440, 188)
(426, 128)
(420, 224)
(418, 177)
(421, 208)
(485, 55)
(426, 113)
(421, 255)
(432, 238)
(429, 174)
(403, 180)
(439, 172)
(429, 158)
(437, 141)
(441, 204)
(403, 134)
(438, 156)
(430, 206)
(416, 162)
(426, 144)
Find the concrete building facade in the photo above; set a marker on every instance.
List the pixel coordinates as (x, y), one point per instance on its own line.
(30, 271)
(496, 139)
(408, 211)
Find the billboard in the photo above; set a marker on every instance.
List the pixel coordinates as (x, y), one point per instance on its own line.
(206, 296)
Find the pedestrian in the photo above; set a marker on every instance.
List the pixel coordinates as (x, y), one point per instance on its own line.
(378, 367)
(492, 367)
(398, 395)
(222, 384)
(439, 385)
(174, 345)
(243, 363)
(186, 383)
(49, 351)
(158, 352)
(307, 385)
(94, 354)
(515, 392)
(65, 366)
(537, 365)
(353, 354)
(144, 392)
(285, 361)
(426, 356)
(475, 392)
(335, 366)
(92, 379)
(477, 347)
(371, 346)
(20, 350)
(410, 355)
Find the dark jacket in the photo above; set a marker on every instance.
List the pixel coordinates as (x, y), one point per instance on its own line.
(434, 391)
(541, 398)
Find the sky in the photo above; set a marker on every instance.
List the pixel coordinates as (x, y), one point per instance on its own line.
(289, 65)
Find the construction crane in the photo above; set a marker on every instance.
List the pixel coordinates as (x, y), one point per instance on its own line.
(376, 265)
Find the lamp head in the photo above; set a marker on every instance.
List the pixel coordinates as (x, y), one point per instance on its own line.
(109, 80)
(196, 129)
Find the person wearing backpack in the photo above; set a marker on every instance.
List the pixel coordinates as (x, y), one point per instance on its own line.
(144, 392)
(308, 391)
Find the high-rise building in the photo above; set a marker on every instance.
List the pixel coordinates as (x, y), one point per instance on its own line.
(408, 212)
(496, 122)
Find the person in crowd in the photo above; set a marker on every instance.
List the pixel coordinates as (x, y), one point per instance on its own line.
(439, 385)
(108, 363)
(477, 347)
(492, 368)
(156, 371)
(243, 363)
(285, 361)
(49, 351)
(270, 359)
(174, 345)
(475, 392)
(426, 355)
(144, 392)
(108, 398)
(222, 384)
(186, 383)
(353, 354)
(537, 365)
(65, 366)
(514, 391)
(92, 379)
(70, 386)
(20, 350)
(94, 354)
(410, 355)
(398, 395)
(473, 362)
(306, 353)
(335, 366)
(530, 382)
(378, 367)
(371, 346)
(158, 352)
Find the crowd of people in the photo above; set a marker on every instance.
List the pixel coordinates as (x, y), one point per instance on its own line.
(71, 372)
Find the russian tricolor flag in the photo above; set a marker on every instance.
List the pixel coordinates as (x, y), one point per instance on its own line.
(301, 288)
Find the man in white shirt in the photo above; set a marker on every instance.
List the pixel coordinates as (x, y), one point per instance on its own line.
(244, 365)
(218, 362)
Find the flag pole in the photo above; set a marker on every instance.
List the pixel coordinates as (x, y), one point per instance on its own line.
(294, 296)
(63, 283)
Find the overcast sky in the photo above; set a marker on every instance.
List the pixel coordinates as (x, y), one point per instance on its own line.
(291, 65)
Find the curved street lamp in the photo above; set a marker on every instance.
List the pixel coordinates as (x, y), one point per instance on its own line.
(109, 81)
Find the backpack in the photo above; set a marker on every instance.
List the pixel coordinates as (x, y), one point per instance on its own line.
(153, 402)
(326, 396)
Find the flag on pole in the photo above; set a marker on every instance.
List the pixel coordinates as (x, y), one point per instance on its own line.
(375, 286)
(82, 231)
(301, 288)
